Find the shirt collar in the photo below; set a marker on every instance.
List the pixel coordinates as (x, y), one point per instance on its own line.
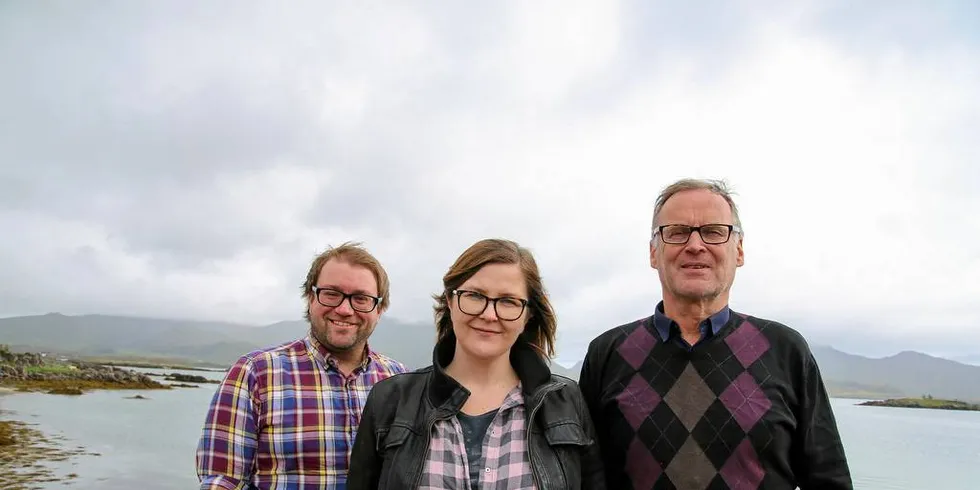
(663, 323)
(328, 360)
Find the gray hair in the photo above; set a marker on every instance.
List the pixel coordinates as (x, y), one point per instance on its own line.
(719, 187)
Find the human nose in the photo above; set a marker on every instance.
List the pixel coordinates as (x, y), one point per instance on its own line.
(694, 242)
(490, 311)
(344, 308)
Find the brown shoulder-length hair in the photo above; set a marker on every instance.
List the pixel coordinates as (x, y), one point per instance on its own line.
(539, 332)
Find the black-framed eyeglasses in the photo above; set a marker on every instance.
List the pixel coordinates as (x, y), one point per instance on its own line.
(713, 234)
(364, 303)
(474, 304)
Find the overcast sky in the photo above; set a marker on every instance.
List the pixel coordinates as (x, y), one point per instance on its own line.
(188, 159)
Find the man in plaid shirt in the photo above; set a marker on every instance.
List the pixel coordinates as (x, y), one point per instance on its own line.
(287, 416)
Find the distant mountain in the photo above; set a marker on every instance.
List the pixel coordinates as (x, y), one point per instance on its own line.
(904, 374)
(189, 340)
(562, 370)
(970, 359)
(907, 373)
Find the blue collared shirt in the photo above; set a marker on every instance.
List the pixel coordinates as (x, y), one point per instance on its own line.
(668, 328)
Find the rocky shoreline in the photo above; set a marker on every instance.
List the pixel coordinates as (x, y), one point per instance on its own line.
(24, 450)
(32, 372)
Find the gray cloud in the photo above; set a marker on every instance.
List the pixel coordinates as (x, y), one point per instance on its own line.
(189, 160)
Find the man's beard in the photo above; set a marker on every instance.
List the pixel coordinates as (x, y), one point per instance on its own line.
(329, 337)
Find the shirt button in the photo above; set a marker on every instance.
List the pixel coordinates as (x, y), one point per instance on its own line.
(488, 470)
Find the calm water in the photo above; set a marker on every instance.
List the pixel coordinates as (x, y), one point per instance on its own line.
(150, 444)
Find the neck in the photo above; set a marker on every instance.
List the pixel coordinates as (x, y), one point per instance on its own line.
(690, 313)
(476, 373)
(350, 359)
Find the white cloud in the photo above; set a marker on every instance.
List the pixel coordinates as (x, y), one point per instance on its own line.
(543, 123)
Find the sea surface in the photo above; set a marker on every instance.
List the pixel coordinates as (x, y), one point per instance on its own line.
(150, 444)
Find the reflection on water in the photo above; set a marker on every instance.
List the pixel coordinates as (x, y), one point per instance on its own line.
(150, 444)
(147, 444)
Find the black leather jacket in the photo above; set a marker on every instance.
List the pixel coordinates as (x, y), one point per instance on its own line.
(396, 425)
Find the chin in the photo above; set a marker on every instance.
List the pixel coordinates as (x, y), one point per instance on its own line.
(484, 352)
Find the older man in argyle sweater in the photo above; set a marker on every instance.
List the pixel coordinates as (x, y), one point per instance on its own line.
(698, 396)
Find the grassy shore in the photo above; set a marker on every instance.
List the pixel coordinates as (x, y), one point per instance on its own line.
(155, 364)
(932, 403)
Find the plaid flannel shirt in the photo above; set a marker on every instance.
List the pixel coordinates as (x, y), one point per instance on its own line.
(506, 463)
(286, 417)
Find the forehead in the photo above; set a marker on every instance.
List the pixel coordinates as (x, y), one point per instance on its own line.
(498, 280)
(695, 207)
(348, 277)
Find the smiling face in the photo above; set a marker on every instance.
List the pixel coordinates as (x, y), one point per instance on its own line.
(485, 336)
(696, 272)
(340, 328)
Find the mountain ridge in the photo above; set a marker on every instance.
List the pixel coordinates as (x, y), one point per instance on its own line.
(906, 373)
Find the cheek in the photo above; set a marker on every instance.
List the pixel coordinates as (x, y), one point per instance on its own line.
(516, 328)
(316, 309)
(454, 318)
(369, 317)
(728, 256)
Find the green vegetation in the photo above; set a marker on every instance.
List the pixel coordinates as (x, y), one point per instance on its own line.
(156, 364)
(925, 402)
(50, 369)
(36, 373)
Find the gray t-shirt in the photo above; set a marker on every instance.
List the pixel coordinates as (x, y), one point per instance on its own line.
(474, 430)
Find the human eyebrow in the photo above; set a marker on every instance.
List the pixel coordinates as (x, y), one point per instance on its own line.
(484, 292)
(355, 291)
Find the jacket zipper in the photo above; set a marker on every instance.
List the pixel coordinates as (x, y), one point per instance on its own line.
(530, 423)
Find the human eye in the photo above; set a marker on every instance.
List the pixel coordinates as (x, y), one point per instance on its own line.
(715, 232)
(363, 300)
(510, 302)
(676, 232)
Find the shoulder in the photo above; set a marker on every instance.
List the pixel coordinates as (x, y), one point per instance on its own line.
(566, 387)
(262, 359)
(564, 401)
(778, 334)
(563, 382)
(388, 364)
(785, 347)
(406, 383)
(615, 335)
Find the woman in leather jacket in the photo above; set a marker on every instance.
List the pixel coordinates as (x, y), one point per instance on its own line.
(488, 413)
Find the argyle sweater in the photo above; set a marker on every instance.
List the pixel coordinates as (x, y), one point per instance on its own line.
(745, 409)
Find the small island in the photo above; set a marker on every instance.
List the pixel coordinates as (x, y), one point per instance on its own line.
(925, 402)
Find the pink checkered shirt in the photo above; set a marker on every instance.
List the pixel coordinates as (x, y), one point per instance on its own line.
(506, 464)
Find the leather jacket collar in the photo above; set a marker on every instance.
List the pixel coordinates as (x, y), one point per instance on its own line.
(446, 392)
